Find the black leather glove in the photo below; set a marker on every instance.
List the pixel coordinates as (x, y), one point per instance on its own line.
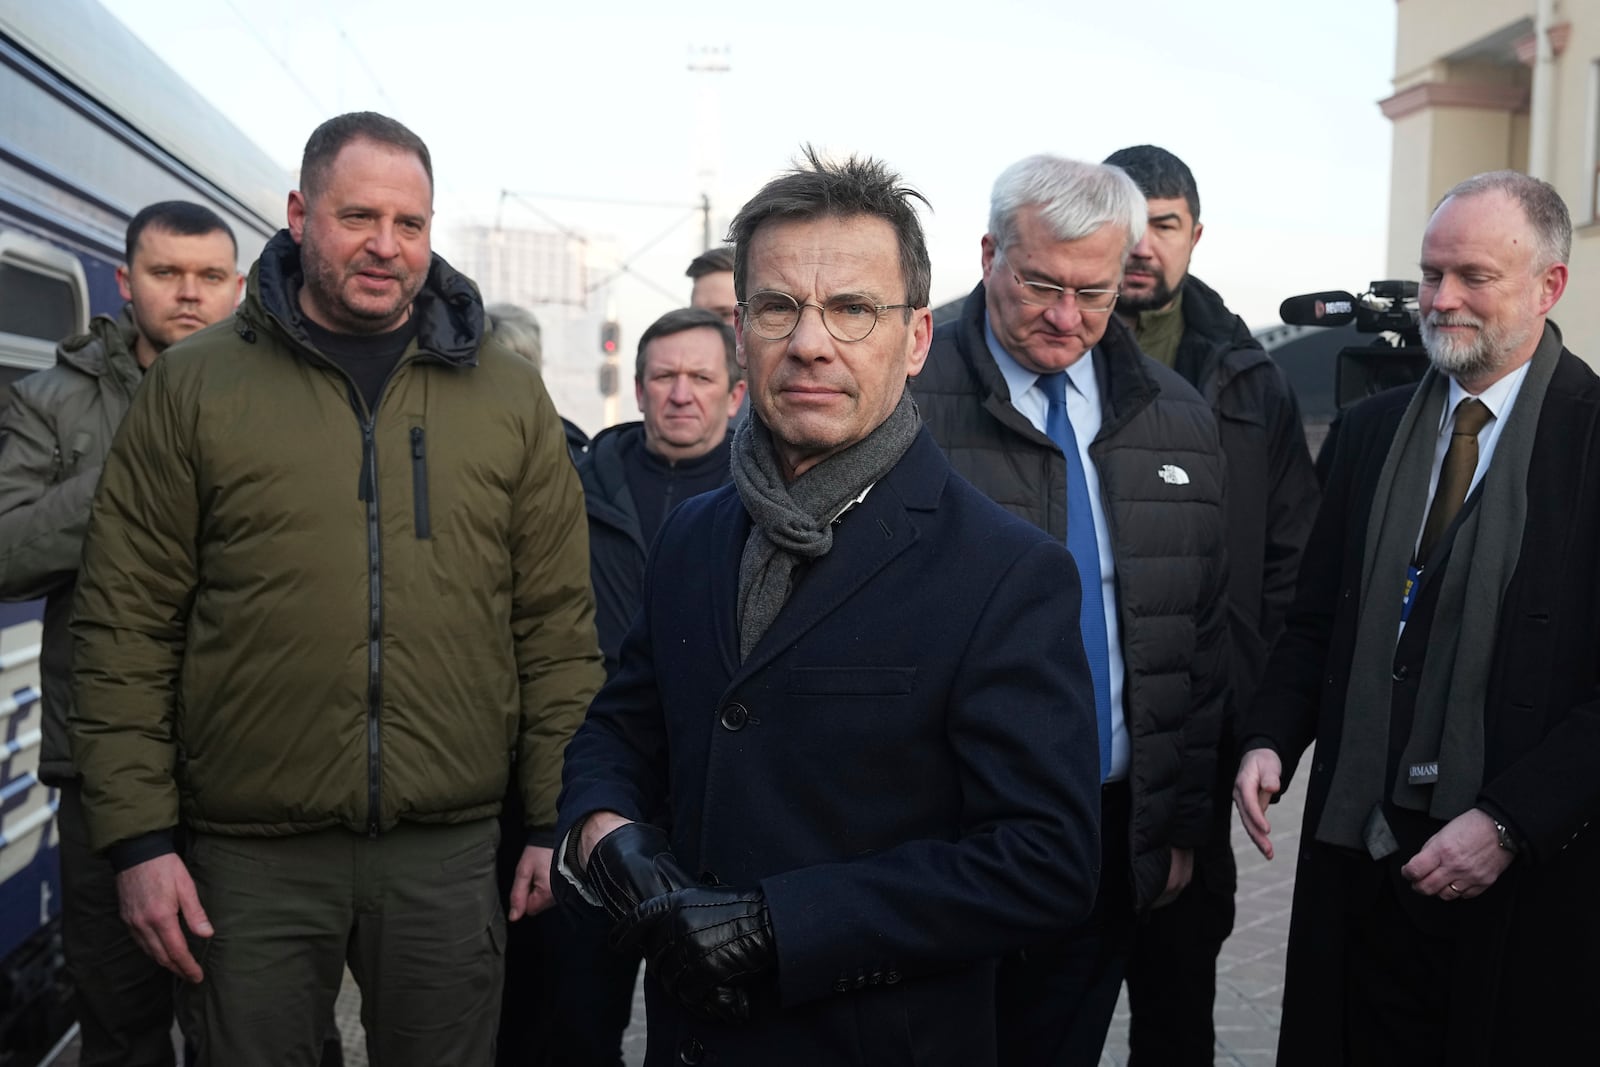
(708, 946)
(630, 865)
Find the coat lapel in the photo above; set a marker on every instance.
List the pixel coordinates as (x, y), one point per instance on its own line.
(730, 529)
(865, 540)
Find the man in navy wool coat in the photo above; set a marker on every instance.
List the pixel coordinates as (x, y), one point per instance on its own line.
(856, 685)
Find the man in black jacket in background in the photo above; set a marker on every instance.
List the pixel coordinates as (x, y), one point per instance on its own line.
(1271, 503)
(687, 383)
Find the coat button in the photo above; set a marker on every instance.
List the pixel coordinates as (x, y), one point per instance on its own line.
(892, 978)
(842, 985)
(734, 716)
(1400, 673)
(691, 1051)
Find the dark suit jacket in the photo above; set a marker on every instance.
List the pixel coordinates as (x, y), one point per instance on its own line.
(906, 764)
(1530, 961)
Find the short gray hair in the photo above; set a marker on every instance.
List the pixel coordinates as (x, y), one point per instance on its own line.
(1075, 199)
(517, 329)
(1545, 210)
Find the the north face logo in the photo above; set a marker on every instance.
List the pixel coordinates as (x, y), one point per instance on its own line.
(1173, 474)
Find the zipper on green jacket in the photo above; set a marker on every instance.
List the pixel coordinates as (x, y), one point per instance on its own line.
(419, 484)
(369, 478)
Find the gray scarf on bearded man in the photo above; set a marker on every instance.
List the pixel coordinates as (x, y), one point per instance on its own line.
(1441, 769)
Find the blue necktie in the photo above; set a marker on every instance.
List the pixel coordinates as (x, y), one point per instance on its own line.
(1085, 549)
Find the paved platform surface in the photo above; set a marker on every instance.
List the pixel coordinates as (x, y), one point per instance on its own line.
(1249, 972)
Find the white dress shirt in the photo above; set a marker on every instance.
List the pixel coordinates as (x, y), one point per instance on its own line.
(1083, 409)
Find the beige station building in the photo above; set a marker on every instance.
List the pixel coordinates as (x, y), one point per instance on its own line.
(1490, 84)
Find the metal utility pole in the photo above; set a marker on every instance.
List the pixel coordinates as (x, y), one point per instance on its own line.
(709, 59)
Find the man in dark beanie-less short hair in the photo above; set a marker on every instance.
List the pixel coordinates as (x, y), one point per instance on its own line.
(1271, 500)
(335, 585)
(180, 276)
(847, 618)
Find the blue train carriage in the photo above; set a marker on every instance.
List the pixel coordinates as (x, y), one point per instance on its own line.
(93, 126)
(32, 978)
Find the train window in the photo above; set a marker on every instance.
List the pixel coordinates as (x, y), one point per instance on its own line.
(36, 305)
(43, 298)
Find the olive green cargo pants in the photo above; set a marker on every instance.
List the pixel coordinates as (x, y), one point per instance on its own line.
(414, 912)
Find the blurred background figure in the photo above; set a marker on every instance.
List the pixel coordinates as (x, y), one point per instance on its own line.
(712, 274)
(518, 329)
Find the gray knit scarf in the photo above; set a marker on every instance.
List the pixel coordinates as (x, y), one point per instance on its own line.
(793, 521)
(1447, 728)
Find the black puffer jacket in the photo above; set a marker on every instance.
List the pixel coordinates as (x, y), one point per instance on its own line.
(1272, 488)
(1168, 541)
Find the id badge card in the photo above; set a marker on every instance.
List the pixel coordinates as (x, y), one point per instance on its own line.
(1409, 597)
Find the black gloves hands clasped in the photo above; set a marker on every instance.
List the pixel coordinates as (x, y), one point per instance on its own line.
(630, 865)
(706, 944)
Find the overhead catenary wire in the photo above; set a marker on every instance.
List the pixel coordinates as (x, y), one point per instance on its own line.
(277, 57)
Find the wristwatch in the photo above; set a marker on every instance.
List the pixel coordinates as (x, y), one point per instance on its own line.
(1507, 842)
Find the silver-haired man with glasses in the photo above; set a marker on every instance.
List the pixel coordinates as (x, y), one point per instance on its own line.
(1042, 399)
(846, 691)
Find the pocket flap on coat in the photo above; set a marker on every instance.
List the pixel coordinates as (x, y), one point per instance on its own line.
(851, 681)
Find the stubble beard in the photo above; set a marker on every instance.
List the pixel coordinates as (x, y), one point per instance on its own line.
(327, 282)
(1160, 296)
(159, 339)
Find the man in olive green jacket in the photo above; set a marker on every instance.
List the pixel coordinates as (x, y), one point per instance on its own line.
(181, 274)
(336, 583)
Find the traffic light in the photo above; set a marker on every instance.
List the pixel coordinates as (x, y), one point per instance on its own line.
(610, 337)
(608, 379)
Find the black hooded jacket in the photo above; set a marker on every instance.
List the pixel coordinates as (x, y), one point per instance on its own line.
(1272, 489)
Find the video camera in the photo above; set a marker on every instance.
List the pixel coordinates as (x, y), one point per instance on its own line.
(1388, 309)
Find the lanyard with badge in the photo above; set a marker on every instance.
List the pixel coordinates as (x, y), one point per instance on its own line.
(1409, 598)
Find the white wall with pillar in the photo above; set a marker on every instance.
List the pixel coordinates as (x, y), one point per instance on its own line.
(1489, 84)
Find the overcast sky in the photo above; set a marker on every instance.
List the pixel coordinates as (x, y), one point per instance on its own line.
(1272, 104)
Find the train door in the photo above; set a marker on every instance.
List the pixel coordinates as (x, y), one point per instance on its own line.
(43, 298)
